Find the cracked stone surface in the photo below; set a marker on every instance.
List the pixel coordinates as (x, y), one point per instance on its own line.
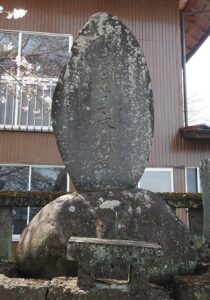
(103, 108)
(135, 214)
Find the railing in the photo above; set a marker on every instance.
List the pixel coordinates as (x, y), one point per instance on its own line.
(8, 200)
(26, 111)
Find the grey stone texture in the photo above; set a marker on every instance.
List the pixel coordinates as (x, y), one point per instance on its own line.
(60, 289)
(205, 183)
(5, 233)
(22, 289)
(102, 107)
(134, 214)
(66, 289)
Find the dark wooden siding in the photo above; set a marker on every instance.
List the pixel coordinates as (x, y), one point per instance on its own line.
(156, 26)
(28, 147)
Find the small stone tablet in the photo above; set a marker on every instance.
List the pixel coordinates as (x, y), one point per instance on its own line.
(103, 109)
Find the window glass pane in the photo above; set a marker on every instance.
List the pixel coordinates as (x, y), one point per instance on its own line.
(192, 180)
(47, 53)
(15, 178)
(48, 179)
(43, 105)
(47, 94)
(156, 181)
(19, 219)
(33, 212)
(35, 110)
(198, 87)
(8, 51)
(8, 102)
(23, 109)
(11, 104)
(3, 102)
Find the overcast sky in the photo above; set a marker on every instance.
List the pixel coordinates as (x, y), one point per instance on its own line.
(198, 85)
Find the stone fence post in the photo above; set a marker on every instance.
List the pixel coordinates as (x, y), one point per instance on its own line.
(5, 233)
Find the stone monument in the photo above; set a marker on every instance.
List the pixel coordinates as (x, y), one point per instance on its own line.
(103, 120)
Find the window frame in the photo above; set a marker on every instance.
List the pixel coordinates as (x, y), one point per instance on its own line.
(16, 237)
(186, 125)
(170, 170)
(50, 81)
(198, 183)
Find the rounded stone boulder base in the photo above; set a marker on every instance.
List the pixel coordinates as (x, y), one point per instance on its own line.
(136, 214)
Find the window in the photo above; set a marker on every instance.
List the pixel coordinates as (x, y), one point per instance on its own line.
(15, 178)
(196, 65)
(31, 178)
(161, 180)
(198, 88)
(157, 180)
(192, 184)
(36, 61)
(48, 179)
(192, 179)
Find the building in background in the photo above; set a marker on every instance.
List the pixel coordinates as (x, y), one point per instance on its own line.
(29, 158)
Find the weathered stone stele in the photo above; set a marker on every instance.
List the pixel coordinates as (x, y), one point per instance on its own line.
(103, 109)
